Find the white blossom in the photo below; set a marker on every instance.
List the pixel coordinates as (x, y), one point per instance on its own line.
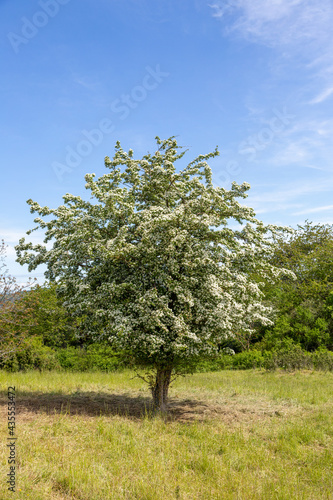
(151, 265)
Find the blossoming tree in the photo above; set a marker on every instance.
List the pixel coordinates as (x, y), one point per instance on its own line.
(153, 266)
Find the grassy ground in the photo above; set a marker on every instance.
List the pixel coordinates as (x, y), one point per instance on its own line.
(230, 435)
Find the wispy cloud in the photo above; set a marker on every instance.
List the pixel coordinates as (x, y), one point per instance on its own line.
(276, 22)
(221, 8)
(293, 153)
(300, 153)
(293, 195)
(306, 144)
(314, 210)
(85, 82)
(322, 96)
(299, 33)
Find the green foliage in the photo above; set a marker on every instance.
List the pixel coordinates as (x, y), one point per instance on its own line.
(35, 355)
(288, 356)
(52, 322)
(294, 357)
(248, 359)
(95, 357)
(240, 361)
(322, 360)
(38, 356)
(304, 307)
(17, 308)
(221, 362)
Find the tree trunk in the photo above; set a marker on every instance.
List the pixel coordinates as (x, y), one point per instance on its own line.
(160, 389)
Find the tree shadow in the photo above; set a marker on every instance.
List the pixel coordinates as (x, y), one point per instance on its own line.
(92, 404)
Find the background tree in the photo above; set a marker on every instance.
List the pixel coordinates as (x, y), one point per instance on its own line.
(53, 324)
(153, 266)
(303, 306)
(16, 310)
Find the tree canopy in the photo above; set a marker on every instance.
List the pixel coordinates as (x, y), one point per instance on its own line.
(154, 265)
(303, 306)
(16, 310)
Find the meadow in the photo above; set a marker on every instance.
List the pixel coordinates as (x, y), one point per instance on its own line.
(246, 435)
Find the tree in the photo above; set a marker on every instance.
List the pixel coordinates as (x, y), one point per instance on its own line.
(303, 306)
(154, 266)
(52, 323)
(16, 310)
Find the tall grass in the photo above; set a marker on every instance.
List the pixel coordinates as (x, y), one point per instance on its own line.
(230, 435)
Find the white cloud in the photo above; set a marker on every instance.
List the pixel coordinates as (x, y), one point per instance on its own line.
(300, 31)
(275, 208)
(306, 144)
(301, 71)
(299, 153)
(314, 210)
(322, 96)
(277, 22)
(220, 9)
(294, 152)
(291, 195)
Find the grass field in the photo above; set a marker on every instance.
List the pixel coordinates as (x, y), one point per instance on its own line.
(230, 435)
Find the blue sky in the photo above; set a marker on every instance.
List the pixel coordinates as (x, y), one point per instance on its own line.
(254, 78)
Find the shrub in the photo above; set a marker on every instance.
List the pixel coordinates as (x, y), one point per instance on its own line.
(72, 358)
(240, 361)
(33, 355)
(95, 357)
(288, 356)
(247, 359)
(291, 358)
(222, 362)
(322, 360)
